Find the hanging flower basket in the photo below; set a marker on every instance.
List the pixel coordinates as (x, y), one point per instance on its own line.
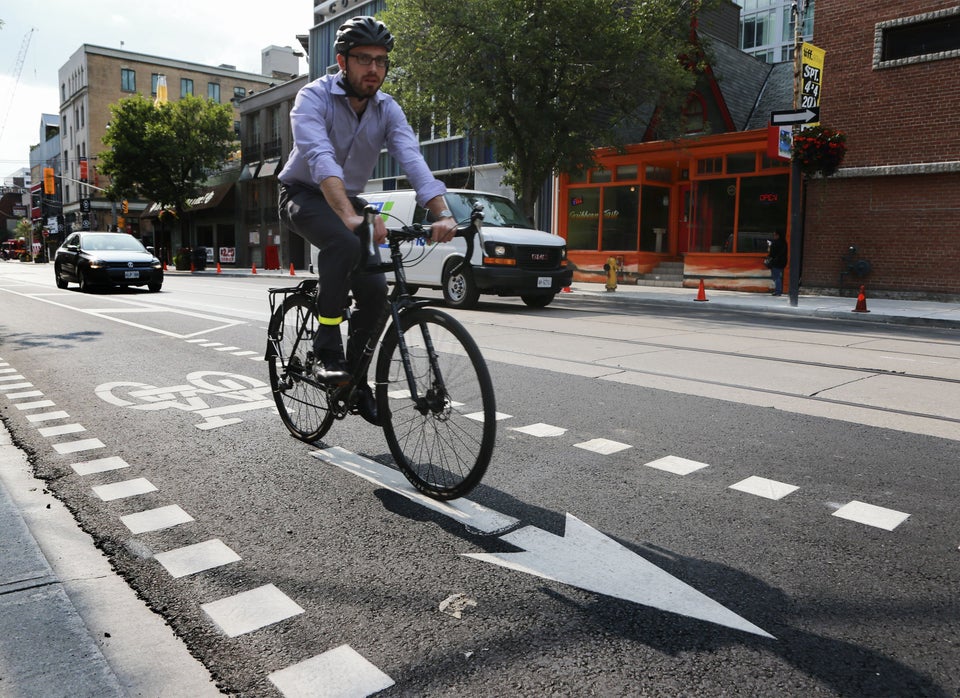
(819, 150)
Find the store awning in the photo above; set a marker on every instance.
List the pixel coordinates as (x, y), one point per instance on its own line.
(269, 167)
(208, 198)
(249, 171)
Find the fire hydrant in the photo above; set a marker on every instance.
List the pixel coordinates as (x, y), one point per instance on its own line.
(611, 268)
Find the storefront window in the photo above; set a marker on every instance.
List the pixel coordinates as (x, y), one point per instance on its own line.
(654, 218)
(600, 175)
(583, 219)
(740, 163)
(763, 209)
(620, 208)
(715, 203)
(626, 173)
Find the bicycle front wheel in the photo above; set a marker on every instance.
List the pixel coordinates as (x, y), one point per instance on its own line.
(442, 434)
(302, 403)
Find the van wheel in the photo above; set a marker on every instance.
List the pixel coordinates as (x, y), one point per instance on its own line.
(459, 289)
(538, 300)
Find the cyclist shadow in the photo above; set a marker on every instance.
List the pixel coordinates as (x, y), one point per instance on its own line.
(847, 668)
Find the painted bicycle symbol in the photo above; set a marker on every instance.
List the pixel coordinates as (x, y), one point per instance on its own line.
(241, 393)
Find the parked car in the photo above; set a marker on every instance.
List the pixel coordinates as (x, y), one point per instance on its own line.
(106, 259)
(511, 257)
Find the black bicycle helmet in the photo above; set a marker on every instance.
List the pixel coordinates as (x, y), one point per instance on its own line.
(362, 31)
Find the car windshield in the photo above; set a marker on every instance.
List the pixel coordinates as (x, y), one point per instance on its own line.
(498, 211)
(111, 241)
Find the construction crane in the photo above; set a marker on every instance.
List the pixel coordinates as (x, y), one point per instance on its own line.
(17, 69)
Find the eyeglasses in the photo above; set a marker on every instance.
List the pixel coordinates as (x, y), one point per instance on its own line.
(367, 59)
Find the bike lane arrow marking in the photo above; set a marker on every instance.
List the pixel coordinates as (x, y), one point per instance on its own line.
(585, 558)
(582, 557)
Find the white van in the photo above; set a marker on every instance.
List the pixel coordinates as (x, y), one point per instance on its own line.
(510, 257)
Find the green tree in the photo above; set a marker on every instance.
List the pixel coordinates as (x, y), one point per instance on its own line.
(163, 152)
(547, 81)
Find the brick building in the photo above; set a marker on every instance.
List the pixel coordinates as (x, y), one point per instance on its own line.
(890, 83)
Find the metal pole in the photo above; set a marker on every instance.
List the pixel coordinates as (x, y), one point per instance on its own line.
(796, 178)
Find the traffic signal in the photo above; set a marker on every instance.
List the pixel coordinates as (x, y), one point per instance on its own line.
(126, 206)
(49, 186)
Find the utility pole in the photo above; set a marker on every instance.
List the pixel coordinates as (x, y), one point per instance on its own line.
(796, 177)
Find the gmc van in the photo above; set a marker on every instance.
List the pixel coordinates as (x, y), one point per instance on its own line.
(510, 257)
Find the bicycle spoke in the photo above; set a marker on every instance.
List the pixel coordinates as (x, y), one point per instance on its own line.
(442, 451)
(301, 403)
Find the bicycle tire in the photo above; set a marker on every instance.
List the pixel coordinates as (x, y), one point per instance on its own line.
(443, 451)
(302, 404)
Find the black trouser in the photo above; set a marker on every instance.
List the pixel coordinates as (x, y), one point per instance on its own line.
(308, 214)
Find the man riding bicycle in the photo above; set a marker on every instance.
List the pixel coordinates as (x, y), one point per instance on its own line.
(340, 123)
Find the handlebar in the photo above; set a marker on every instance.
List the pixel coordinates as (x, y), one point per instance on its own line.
(467, 229)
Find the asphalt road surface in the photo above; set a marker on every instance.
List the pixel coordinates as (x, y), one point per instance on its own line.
(680, 502)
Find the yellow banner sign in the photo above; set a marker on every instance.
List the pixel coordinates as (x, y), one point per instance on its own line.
(811, 76)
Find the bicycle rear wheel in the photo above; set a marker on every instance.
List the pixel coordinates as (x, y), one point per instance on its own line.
(443, 440)
(302, 403)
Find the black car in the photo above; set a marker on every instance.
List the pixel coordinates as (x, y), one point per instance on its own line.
(106, 259)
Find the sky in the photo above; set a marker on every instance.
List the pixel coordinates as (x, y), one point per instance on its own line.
(210, 32)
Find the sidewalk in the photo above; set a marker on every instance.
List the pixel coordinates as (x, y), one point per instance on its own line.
(880, 310)
(70, 626)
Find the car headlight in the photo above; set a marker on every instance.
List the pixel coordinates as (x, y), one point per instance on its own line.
(156, 264)
(498, 253)
(97, 264)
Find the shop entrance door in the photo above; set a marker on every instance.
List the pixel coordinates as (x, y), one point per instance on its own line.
(685, 211)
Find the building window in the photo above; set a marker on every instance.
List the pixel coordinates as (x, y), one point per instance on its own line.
(213, 91)
(128, 80)
(928, 37)
(694, 113)
(154, 79)
(239, 92)
(186, 87)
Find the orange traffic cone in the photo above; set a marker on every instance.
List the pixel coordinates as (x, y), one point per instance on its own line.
(164, 265)
(253, 270)
(291, 269)
(701, 293)
(861, 303)
(566, 289)
(218, 267)
(191, 268)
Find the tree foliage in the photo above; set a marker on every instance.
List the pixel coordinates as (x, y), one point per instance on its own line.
(163, 152)
(547, 81)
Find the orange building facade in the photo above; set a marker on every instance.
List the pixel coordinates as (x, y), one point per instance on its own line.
(712, 204)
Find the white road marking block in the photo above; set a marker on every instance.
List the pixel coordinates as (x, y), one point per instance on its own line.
(677, 465)
(478, 416)
(124, 489)
(29, 393)
(762, 487)
(35, 405)
(195, 558)
(47, 416)
(466, 512)
(540, 430)
(77, 446)
(604, 447)
(871, 515)
(339, 673)
(100, 465)
(156, 519)
(61, 430)
(585, 558)
(251, 610)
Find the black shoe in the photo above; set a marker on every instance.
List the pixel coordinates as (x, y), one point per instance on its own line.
(366, 405)
(330, 368)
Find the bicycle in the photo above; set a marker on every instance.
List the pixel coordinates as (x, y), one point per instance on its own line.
(433, 392)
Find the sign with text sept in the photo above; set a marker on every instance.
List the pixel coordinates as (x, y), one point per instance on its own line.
(811, 76)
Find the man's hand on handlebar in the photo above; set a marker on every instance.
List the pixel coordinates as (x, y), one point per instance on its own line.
(379, 227)
(443, 230)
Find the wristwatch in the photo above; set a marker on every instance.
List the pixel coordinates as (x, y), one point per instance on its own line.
(446, 213)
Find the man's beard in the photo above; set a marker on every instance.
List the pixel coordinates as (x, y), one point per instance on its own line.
(361, 88)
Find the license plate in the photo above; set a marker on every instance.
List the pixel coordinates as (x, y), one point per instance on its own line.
(544, 282)
(131, 275)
